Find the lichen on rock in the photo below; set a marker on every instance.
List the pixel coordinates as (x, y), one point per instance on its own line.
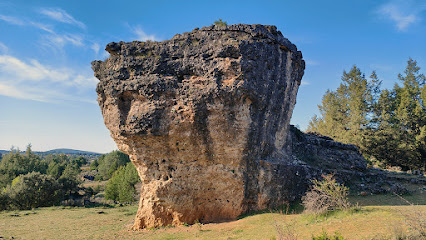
(205, 119)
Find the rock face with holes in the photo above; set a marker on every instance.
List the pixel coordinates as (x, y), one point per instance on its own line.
(205, 119)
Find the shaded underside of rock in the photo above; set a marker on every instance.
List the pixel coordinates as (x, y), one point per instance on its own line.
(205, 119)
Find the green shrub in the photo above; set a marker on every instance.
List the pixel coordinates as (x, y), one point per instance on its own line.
(220, 22)
(121, 187)
(324, 236)
(55, 169)
(68, 186)
(33, 190)
(4, 200)
(326, 195)
(80, 161)
(94, 165)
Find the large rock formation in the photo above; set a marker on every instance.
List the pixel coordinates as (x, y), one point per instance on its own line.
(205, 119)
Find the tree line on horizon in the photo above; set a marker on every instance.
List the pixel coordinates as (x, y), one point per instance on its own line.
(387, 125)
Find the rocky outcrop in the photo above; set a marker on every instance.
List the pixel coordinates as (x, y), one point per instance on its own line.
(324, 153)
(205, 119)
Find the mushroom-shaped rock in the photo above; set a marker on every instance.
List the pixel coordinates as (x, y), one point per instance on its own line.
(205, 118)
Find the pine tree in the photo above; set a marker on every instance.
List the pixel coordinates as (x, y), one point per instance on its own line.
(388, 125)
(121, 186)
(410, 116)
(109, 163)
(345, 113)
(373, 102)
(332, 116)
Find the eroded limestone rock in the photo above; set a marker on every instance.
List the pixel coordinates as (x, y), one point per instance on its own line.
(205, 119)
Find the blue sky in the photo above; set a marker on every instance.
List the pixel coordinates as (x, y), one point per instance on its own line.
(47, 89)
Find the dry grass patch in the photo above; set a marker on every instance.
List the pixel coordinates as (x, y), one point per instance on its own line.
(367, 222)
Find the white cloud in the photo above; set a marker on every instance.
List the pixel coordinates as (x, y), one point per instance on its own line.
(3, 48)
(12, 91)
(402, 13)
(53, 41)
(304, 83)
(95, 47)
(12, 20)
(58, 41)
(74, 39)
(61, 15)
(23, 22)
(34, 71)
(85, 81)
(401, 20)
(35, 81)
(311, 62)
(42, 26)
(142, 35)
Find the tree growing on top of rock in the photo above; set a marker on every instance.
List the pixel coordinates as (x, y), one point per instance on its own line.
(220, 22)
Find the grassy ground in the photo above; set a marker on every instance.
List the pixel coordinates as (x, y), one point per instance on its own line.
(378, 216)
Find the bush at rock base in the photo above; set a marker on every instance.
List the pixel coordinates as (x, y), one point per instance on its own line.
(326, 195)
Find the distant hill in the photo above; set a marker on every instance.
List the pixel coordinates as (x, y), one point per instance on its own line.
(70, 151)
(60, 150)
(3, 152)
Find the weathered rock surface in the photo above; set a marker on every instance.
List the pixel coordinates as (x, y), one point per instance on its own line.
(205, 119)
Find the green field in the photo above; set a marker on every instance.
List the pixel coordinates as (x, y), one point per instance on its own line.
(377, 217)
